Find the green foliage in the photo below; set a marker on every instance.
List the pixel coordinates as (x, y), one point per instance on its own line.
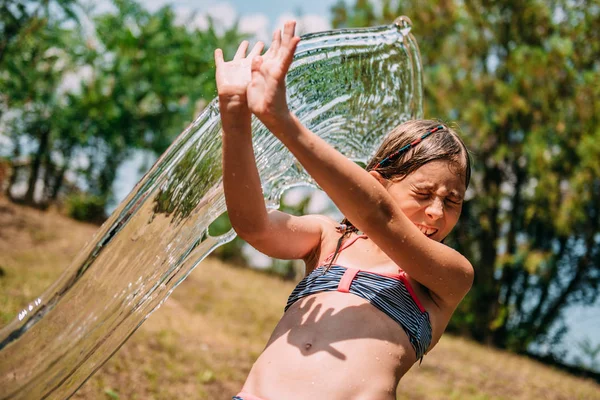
(34, 60)
(85, 207)
(194, 175)
(111, 394)
(220, 226)
(69, 95)
(521, 79)
(17, 16)
(230, 252)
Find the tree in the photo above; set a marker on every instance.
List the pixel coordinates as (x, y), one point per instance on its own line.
(139, 79)
(29, 79)
(157, 72)
(521, 77)
(20, 18)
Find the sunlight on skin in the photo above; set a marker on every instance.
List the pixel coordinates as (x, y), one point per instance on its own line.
(431, 197)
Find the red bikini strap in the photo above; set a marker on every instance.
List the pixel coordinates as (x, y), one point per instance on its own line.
(346, 245)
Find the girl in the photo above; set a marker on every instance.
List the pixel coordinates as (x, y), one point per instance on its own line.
(371, 304)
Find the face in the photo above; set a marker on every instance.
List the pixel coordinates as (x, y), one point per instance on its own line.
(431, 197)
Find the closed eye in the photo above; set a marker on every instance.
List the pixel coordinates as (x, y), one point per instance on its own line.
(456, 203)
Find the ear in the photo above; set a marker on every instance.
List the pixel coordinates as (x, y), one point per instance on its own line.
(384, 182)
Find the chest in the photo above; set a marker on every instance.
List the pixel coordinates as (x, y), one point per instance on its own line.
(364, 255)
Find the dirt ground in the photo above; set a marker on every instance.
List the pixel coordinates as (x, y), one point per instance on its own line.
(202, 342)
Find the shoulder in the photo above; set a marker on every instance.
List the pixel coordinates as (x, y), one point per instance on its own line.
(325, 223)
(329, 237)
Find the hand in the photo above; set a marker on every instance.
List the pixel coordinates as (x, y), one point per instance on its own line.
(266, 91)
(234, 76)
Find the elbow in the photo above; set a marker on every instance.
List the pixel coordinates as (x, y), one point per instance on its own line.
(469, 274)
(468, 277)
(249, 234)
(248, 229)
(259, 239)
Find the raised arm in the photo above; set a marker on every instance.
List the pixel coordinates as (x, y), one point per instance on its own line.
(274, 233)
(358, 194)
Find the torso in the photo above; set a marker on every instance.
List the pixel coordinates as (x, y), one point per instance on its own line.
(333, 345)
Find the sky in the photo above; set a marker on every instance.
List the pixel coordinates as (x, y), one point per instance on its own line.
(258, 17)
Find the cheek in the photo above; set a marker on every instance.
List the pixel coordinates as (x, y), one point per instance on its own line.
(412, 202)
(457, 211)
(452, 216)
(411, 205)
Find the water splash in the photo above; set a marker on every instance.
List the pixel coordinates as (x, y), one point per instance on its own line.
(348, 86)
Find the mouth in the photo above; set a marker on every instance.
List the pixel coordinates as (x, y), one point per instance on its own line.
(426, 230)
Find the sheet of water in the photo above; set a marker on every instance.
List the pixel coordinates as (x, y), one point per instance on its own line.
(348, 86)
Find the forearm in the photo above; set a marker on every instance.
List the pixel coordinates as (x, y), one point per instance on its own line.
(356, 193)
(241, 181)
(362, 196)
(367, 203)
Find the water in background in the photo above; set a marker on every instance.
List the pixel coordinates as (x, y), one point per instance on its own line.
(348, 86)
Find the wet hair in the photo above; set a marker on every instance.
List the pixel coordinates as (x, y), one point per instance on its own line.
(407, 148)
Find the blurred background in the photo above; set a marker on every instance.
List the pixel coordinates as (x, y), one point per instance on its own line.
(91, 93)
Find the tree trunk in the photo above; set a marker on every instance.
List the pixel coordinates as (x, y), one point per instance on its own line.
(59, 180)
(485, 286)
(509, 270)
(49, 177)
(37, 162)
(13, 168)
(584, 263)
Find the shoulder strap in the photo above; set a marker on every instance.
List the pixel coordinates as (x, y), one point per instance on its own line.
(346, 245)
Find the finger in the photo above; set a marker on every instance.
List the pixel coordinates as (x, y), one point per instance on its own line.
(241, 51)
(287, 53)
(256, 50)
(288, 32)
(218, 57)
(256, 63)
(255, 70)
(276, 41)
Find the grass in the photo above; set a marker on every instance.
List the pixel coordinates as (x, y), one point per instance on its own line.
(202, 342)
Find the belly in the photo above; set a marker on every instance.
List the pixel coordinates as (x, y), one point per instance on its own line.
(332, 345)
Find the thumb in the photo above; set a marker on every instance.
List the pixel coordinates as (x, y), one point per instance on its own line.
(256, 63)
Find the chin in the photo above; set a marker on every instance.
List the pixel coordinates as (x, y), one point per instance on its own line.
(437, 237)
(432, 237)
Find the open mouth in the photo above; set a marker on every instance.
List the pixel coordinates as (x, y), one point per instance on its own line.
(427, 231)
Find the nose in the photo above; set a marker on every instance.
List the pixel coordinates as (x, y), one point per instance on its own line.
(435, 209)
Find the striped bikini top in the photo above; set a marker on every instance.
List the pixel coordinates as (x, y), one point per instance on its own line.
(390, 293)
